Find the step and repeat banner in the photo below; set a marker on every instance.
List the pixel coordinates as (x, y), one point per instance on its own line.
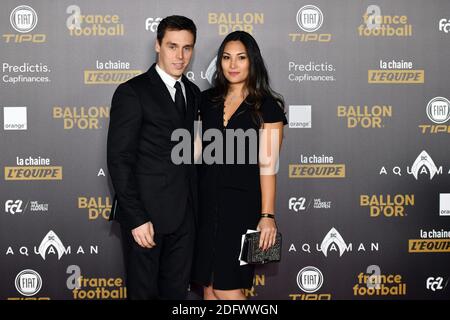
(363, 190)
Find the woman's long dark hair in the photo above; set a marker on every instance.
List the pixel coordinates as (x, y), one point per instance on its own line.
(257, 83)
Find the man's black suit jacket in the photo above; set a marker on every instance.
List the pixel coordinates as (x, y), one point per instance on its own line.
(147, 184)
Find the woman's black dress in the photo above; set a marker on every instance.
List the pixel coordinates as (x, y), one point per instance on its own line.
(229, 197)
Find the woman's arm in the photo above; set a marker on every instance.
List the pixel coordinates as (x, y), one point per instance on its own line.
(270, 144)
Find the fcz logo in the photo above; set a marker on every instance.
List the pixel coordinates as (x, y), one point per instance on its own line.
(434, 284)
(297, 204)
(444, 25)
(152, 24)
(13, 206)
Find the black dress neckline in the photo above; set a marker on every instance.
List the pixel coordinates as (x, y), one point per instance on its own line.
(236, 112)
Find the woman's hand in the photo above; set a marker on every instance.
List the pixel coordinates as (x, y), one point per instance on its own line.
(268, 230)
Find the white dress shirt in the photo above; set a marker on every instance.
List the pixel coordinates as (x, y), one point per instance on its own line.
(169, 81)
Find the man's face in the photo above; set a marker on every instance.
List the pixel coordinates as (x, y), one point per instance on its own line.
(175, 51)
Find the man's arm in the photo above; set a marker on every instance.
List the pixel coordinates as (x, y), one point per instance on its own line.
(123, 139)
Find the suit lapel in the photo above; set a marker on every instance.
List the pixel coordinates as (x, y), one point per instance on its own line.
(162, 95)
(159, 85)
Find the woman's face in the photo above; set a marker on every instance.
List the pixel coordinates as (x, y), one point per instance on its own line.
(235, 62)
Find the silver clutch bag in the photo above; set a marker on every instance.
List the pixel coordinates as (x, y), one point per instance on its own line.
(251, 253)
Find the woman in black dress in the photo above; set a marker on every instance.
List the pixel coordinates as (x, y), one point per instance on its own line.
(236, 196)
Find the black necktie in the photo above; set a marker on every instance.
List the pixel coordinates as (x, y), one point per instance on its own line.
(179, 100)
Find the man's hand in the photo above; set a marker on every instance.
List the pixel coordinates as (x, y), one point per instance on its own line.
(143, 235)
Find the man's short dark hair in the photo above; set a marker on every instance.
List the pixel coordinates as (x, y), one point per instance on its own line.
(176, 23)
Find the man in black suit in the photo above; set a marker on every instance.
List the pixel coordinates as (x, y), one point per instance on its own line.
(156, 199)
